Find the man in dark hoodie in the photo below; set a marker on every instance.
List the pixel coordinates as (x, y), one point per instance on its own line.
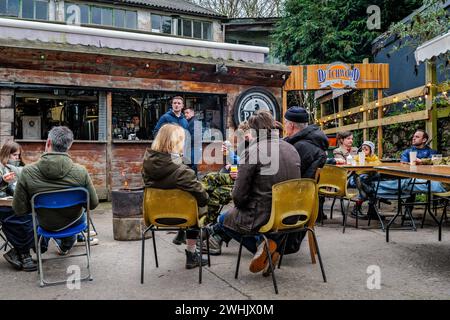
(174, 115)
(55, 170)
(311, 143)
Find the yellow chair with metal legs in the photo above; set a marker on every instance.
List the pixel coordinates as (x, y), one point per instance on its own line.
(332, 183)
(294, 205)
(167, 210)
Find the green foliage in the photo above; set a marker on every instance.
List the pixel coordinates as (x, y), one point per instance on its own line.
(313, 31)
(429, 23)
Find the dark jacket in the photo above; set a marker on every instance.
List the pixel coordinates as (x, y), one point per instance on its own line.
(311, 144)
(164, 171)
(252, 193)
(53, 171)
(170, 117)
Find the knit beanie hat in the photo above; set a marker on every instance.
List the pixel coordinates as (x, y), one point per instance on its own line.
(297, 114)
(371, 145)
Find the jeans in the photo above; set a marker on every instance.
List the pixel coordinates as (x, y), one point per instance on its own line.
(67, 243)
(18, 230)
(249, 242)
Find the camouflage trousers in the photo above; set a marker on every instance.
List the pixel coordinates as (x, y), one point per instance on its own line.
(219, 187)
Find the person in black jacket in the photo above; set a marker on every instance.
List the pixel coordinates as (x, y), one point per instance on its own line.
(311, 143)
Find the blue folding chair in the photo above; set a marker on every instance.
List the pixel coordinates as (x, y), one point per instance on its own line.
(60, 200)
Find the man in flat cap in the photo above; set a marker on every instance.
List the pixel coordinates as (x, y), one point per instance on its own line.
(311, 143)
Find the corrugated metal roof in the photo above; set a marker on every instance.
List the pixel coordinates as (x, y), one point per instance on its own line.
(175, 5)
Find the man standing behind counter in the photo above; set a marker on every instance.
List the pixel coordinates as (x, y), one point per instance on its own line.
(174, 115)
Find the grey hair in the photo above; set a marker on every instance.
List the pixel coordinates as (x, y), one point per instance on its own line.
(61, 138)
(299, 125)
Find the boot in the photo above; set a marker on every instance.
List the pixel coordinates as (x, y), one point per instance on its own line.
(12, 256)
(180, 238)
(192, 260)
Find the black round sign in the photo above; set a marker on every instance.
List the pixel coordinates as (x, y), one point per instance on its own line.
(253, 100)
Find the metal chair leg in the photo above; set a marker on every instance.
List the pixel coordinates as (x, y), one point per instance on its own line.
(207, 248)
(332, 207)
(283, 247)
(154, 247)
(142, 255)
(239, 259)
(272, 268)
(200, 264)
(88, 254)
(318, 254)
(39, 256)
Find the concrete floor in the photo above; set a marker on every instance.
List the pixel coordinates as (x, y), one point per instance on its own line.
(414, 265)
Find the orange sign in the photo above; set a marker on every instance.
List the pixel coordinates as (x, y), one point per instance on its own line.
(338, 75)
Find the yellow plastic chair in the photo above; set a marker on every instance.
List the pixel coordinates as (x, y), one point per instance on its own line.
(294, 209)
(332, 183)
(171, 210)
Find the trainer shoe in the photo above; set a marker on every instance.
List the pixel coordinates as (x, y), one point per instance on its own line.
(80, 242)
(260, 260)
(28, 264)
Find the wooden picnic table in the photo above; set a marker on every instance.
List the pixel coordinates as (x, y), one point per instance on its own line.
(438, 173)
(427, 172)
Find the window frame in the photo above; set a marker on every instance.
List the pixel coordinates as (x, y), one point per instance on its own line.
(180, 28)
(161, 23)
(101, 7)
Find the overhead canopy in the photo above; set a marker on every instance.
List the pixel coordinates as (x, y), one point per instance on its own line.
(433, 48)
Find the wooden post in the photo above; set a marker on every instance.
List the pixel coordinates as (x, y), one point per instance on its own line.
(109, 144)
(430, 81)
(365, 102)
(380, 127)
(283, 110)
(341, 110)
(321, 115)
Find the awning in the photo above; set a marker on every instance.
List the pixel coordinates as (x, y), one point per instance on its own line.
(433, 48)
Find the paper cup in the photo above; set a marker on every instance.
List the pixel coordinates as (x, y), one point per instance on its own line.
(412, 158)
(362, 158)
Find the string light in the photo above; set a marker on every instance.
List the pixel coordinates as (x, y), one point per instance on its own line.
(349, 112)
(377, 104)
(384, 109)
(444, 93)
(395, 99)
(361, 109)
(420, 98)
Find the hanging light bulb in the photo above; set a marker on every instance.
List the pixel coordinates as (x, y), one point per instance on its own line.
(377, 104)
(420, 99)
(361, 109)
(395, 100)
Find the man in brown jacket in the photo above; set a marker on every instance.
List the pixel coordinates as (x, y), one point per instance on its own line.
(266, 162)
